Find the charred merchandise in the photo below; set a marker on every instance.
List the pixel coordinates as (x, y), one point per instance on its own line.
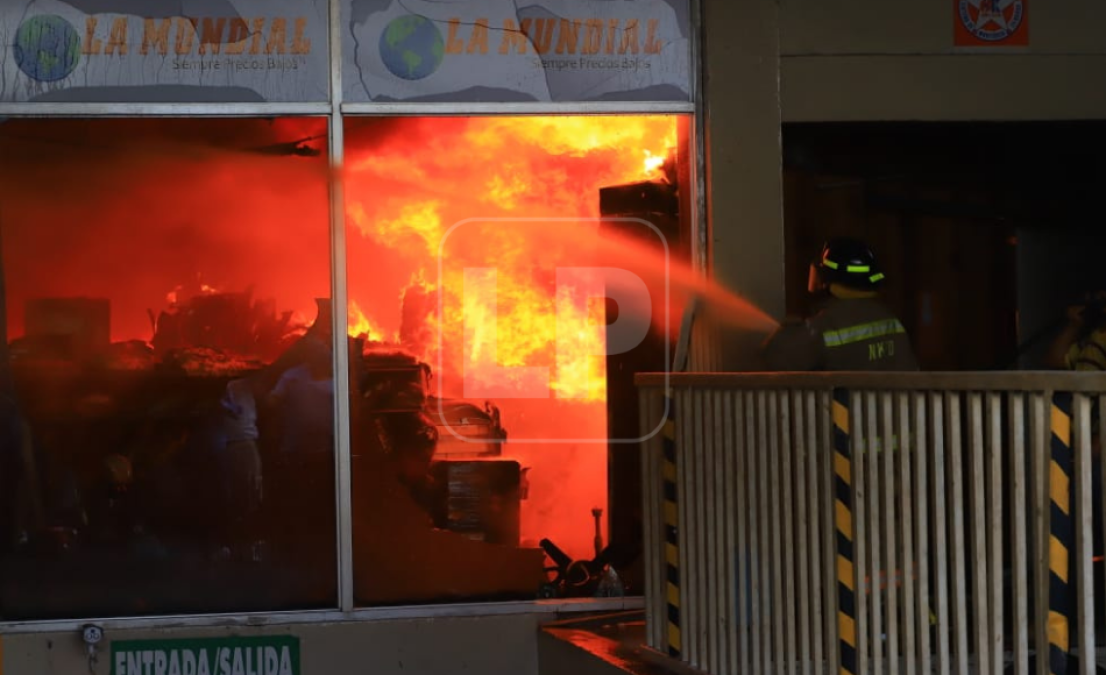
(182, 454)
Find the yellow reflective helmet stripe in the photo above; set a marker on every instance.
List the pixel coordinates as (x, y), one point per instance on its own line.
(862, 332)
(852, 269)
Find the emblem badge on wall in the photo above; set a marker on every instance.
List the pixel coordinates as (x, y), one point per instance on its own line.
(991, 23)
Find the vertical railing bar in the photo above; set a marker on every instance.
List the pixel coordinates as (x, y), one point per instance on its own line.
(727, 557)
(888, 448)
(873, 588)
(741, 480)
(644, 416)
(701, 528)
(650, 499)
(660, 400)
(657, 504)
(749, 600)
(721, 556)
(708, 513)
(978, 529)
(1020, 546)
(846, 498)
(689, 502)
(686, 517)
(994, 530)
(735, 535)
(703, 592)
(813, 532)
(1039, 457)
(906, 530)
(1101, 592)
(776, 509)
(954, 429)
(767, 603)
(752, 554)
(824, 452)
(940, 530)
(924, 602)
(804, 552)
(788, 512)
(1083, 520)
(860, 487)
(668, 509)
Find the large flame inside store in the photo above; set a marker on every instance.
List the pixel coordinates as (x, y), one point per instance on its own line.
(503, 168)
(205, 244)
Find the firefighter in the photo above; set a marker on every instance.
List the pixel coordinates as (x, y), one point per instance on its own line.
(1080, 346)
(853, 330)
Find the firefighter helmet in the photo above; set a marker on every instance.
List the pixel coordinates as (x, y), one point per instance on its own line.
(848, 262)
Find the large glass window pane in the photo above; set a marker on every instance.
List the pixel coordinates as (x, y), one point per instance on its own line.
(167, 389)
(471, 476)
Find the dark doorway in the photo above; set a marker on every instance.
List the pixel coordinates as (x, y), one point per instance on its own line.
(987, 230)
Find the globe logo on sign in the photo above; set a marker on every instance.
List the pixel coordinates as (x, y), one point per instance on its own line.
(47, 48)
(411, 47)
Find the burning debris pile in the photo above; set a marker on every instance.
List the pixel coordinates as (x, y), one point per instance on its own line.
(211, 332)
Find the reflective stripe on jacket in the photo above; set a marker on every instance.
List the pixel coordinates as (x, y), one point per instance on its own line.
(847, 334)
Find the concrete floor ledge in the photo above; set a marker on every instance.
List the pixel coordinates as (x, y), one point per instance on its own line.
(609, 644)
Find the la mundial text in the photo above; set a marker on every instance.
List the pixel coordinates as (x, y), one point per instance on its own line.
(196, 36)
(588, 37)
(204, 36)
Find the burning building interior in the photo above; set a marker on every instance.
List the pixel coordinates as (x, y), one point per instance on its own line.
(169, 345)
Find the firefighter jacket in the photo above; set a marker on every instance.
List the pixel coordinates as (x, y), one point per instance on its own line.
(854, 334)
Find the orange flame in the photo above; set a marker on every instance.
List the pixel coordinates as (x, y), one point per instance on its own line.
(360, 326)
(419, 205)
(653, 163)
(181, 292)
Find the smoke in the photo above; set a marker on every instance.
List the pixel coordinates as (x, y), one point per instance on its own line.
(129, 209)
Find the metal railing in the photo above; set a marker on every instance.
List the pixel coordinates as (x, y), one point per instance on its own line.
(873, 523)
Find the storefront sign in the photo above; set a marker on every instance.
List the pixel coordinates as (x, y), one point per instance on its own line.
(275, 655)
(991, 23)
(527, 50)
(126, 51)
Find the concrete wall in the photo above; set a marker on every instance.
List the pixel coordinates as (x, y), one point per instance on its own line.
(867, 60)
(871, 28)
(743, 162)
(498, 645)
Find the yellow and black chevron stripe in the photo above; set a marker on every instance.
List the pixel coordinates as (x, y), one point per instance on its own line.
(671, 530)
(1060, 536)
(843, 517)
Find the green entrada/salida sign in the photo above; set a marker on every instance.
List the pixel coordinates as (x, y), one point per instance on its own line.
(273, 655)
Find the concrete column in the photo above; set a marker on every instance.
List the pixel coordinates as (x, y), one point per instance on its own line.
(741, 96)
